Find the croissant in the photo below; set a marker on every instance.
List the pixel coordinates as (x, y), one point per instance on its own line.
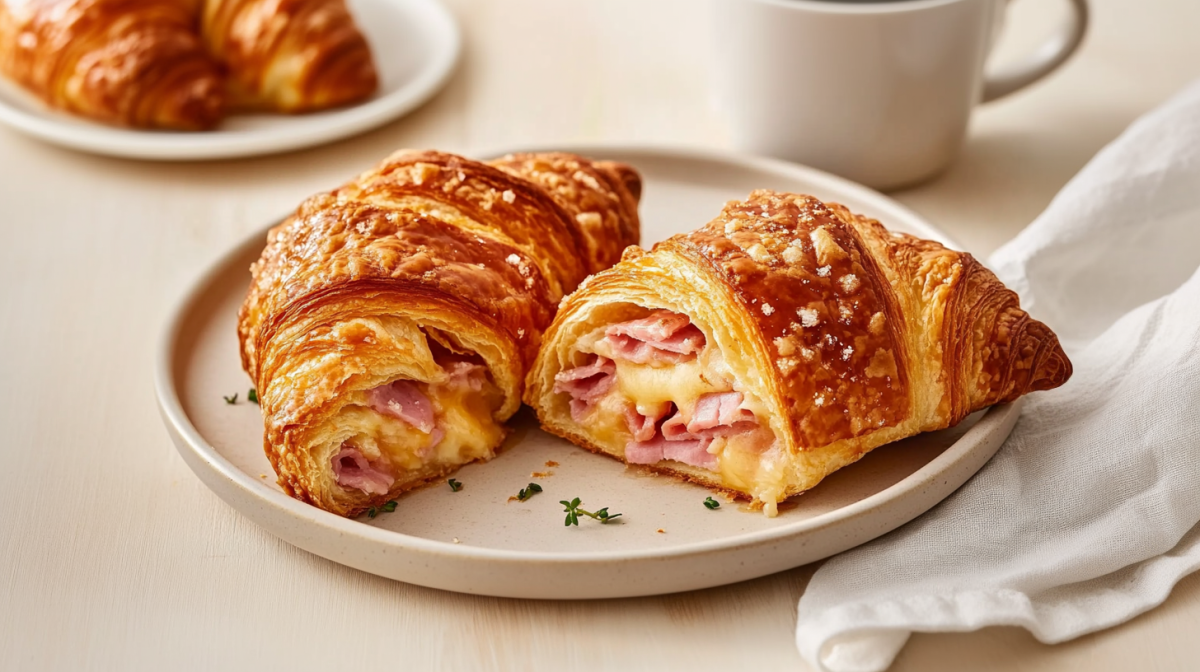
(133, 63)
(390, 322)
(779, 343)
(289, 55)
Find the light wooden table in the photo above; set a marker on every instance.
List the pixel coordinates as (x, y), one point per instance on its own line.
(114, 556)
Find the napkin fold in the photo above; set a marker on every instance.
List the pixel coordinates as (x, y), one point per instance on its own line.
(1087, 516)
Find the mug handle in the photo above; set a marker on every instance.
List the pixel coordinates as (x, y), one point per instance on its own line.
(1045, 60)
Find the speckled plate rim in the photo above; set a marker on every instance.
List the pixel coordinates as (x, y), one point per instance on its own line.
(80, 134)
(320, 532)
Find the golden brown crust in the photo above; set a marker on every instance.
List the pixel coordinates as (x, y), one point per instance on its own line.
(475, 257)
(601, 196)
(289, 55)
(852, 336)
(125, 62)
(813, 292)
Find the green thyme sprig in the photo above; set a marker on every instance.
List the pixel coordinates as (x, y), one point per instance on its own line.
(712, 504)
(252, 395)
(528, 492)
(454, 485)
(386, 508)
(573, 512)
(231, 400)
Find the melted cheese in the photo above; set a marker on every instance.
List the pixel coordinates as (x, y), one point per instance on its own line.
(607, 423)
(750, 462)
(681, 383)
(464, 415)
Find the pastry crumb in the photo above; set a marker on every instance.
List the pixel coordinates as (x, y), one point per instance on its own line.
(551, 463)
(661, 531)
(455, 540)
(541, 474)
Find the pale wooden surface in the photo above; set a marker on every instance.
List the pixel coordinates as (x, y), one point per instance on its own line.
(114, 556)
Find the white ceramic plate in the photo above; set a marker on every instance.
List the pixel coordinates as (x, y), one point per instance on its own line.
(475, 540)
(415, 44)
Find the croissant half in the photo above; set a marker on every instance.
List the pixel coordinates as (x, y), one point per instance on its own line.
(125, 62)
(289, 55)
(390, 323)
(779, 343)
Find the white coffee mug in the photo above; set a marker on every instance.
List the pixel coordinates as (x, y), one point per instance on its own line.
(879, 92)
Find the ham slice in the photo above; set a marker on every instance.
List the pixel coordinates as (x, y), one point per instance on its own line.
(586, 384)
(687, 441)
(693, 452)
(643, 427)
(467, 375)
(663, 336)
(353, 470)
(402, 399)
(720, 409)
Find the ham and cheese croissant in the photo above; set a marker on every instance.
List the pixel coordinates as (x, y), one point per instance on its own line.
(390, 322)
(289, 55)
(779, 343)
(133, 63)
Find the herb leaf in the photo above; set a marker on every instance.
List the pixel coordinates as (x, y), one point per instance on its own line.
(712, 503)
(252, 395)
(573, 512)
(372, 512)
(231, 400)
(455, 485)
(390, 506)
(528, 492)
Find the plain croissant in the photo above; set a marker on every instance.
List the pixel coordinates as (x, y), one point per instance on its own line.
(779, 343)
(390, 322)
(125, 62)
(289, 55)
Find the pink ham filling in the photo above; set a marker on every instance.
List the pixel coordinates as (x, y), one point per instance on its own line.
(586, 384)
(644, 427)
(663, 336)
(403, 400)
(354, 470)
(716, 414)
(467, 375)
(666, 337)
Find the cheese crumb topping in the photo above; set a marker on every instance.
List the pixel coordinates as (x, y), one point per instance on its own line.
(808, 317)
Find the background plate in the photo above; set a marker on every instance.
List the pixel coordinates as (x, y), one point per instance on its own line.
(415, 44)
(475, 540)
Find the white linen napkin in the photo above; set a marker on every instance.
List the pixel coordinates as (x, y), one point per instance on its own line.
(1087, 516)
